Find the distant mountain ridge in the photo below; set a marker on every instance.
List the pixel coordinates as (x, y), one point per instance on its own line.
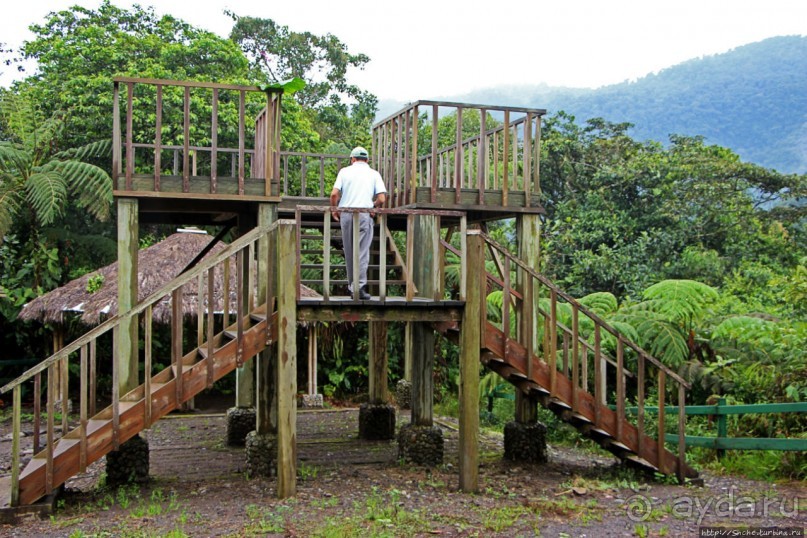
(751, 99)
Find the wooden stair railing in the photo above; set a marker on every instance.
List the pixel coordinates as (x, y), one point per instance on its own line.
(243, 333)
(560, 362)
(389, 273)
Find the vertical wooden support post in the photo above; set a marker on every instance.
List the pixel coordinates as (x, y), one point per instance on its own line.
(682, 419)
(425, 275)
(470, 345)
(528, 232)
(378, 363)
(245, 374)
(312, 359)
(286, 361)
(176, 343)
(265, 380)
(408, 346)
(662, 392)
(15, 445)
(128, 239)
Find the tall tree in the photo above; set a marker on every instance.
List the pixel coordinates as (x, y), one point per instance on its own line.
(343, 111)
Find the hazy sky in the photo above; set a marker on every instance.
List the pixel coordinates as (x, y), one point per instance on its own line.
(422, 49)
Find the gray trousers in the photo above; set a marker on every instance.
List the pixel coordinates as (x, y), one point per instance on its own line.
(365, 240)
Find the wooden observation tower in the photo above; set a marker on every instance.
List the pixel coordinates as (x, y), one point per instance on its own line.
(428, 270)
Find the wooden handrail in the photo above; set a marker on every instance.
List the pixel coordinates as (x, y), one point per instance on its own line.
(115, 320)
(591, 315)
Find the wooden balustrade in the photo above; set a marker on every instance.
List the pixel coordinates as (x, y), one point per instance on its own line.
(498, 165)
(322, 267)
(585, 362)
(230, 149)
(207, 284)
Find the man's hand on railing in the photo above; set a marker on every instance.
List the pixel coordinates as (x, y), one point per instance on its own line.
(335, 215)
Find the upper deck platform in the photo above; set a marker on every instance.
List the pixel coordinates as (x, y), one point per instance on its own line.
(198, 153)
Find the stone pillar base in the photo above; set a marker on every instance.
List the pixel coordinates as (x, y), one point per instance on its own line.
(240, 421)
(311, 401)
(376, 422)
(525, 442)
(261, 453)
(422, 445)
(128, 464)
(403, 394)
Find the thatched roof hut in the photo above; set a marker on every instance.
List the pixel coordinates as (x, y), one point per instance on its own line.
(157, 265)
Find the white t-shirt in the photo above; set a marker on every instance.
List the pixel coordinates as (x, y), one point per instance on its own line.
(358, 184)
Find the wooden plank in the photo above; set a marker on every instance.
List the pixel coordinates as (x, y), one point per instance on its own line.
(214, 141)
(15, 445)
(148, 356)
(662, 389)
(382, 257)
(575, 355)
(116, 136)
(158, 139)
(176, 341)
(458, 158)
(83, 370)
(470, 344)
(326, 255)
(481, 165)
(286, 363)
(186, 140)
(620, 387)
(433, 168)
(378, 363)
(129, 135)
(241, 141)
(682, 420)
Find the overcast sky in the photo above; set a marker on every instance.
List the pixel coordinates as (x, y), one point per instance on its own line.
(423, 49)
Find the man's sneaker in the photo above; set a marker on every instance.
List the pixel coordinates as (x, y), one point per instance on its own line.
(363, 295)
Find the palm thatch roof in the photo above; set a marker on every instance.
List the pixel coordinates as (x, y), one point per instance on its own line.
(157, 265)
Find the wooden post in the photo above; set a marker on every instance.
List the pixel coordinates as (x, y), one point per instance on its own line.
(425, 276)
(265, 382)
(470, 344)
(528, 232)
(286, 360)
(378, 363)
(128, 239)
(245, 375)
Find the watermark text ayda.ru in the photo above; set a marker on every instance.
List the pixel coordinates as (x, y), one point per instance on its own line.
(731, 504)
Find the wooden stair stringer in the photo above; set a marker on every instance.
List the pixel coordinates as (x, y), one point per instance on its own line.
(586, 415)
(100, 436)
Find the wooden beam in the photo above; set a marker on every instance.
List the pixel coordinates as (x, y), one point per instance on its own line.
(128, 243)
(286, 361)
(378, 363)
(470, 344)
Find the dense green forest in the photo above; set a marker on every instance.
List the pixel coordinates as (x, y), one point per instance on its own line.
(699, 254)
(751, 99)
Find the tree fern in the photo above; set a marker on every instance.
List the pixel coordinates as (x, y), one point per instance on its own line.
(681, 301)
(664, 340)
(601, 303)
(46, 193)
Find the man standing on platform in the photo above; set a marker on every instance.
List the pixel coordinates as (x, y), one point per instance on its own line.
(358, 186)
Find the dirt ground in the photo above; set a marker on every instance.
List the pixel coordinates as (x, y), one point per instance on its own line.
(349, 487)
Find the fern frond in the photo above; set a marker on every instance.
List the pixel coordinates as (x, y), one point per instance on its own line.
(90, 184)
(14, 159)
(681, 300)
(93, 150)
(46, 192)
(11, 196)
(601, 303)
(744, 329)
(665, 341)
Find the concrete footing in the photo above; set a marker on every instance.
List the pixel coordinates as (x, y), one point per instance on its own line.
(376, 421)
(128, 464)
(261, 454)
(240, 421)
(403, 394)
(422, 445)
(525, 442)
(311, 401)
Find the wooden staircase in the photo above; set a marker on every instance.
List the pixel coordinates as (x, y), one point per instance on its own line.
(143, 406)
(312, 237)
